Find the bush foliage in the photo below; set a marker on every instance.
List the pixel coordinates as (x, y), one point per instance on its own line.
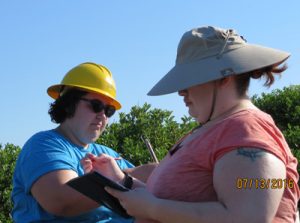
(284, 107)
(162, 131)
(156, 125)
(8, 157)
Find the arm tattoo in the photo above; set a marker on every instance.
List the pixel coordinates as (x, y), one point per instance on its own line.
(251, 153)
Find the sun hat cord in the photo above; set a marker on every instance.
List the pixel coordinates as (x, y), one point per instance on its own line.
(228, 34)
(212, 108)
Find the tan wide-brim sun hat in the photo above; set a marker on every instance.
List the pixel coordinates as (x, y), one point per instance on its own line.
(209, 53)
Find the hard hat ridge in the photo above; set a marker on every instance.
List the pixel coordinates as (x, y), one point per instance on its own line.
(91, 77)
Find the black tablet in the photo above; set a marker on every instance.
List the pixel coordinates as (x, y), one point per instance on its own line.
(92, 185)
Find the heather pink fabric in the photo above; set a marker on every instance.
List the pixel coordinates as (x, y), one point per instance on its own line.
(187, 175)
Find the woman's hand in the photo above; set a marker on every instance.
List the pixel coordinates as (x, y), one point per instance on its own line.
(87, 163)
(104, 164)
(138, 202)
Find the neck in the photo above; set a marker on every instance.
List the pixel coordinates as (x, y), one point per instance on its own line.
(66, 132)
(224, 112)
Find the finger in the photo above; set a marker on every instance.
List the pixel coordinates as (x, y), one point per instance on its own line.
(103, 158)
(90, 156)
(88, 169)
(85, 162)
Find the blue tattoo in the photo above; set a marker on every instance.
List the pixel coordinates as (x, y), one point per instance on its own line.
(251, 154)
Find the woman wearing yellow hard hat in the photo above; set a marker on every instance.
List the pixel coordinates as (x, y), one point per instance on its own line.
(84, 101)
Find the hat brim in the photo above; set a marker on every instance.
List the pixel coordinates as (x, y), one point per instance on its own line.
(247, 58)
(54, 91)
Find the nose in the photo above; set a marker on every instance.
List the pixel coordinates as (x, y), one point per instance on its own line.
(183, 92)
(101, 115)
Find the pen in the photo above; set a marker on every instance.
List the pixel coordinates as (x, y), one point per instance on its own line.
(149, 147)
(115, 158)
(92, 157)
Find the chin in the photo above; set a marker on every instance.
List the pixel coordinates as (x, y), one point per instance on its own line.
(193, 114)
(94, 139)
(88, 140)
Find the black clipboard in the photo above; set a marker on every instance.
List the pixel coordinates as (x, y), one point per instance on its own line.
(92, 185)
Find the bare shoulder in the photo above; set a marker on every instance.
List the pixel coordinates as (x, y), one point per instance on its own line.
(248, 156)
(250, 162)
(247, 176)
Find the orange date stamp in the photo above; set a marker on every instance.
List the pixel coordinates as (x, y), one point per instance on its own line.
(261, 183)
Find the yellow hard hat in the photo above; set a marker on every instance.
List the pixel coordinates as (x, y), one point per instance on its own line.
(91, 77)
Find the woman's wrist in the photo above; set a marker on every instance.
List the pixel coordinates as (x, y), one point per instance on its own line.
(155, 209)
(127, 180)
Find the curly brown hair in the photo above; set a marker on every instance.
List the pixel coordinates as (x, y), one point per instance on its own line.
(65, 106)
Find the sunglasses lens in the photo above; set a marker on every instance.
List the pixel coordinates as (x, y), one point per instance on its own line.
(97, 106)
(109, 111)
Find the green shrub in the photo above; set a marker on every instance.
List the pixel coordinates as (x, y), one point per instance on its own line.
(155, 124)
(284, 107)
(8, 157)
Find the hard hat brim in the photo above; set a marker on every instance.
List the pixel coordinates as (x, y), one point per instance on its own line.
(54, 91)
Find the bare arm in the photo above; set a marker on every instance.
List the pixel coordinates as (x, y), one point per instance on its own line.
(142, 172)
(259, 201)
(233, 205)
(57, 198)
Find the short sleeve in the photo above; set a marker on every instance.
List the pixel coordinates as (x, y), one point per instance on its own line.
(251, 131)
(42, 154)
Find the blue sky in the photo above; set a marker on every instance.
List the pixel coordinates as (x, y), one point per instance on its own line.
(137, 40)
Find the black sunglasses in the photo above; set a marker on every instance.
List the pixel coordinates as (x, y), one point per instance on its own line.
(98, 106)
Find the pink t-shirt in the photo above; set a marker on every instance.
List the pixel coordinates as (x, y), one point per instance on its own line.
(187, 175)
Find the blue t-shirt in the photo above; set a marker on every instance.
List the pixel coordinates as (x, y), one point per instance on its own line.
(49, 151)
